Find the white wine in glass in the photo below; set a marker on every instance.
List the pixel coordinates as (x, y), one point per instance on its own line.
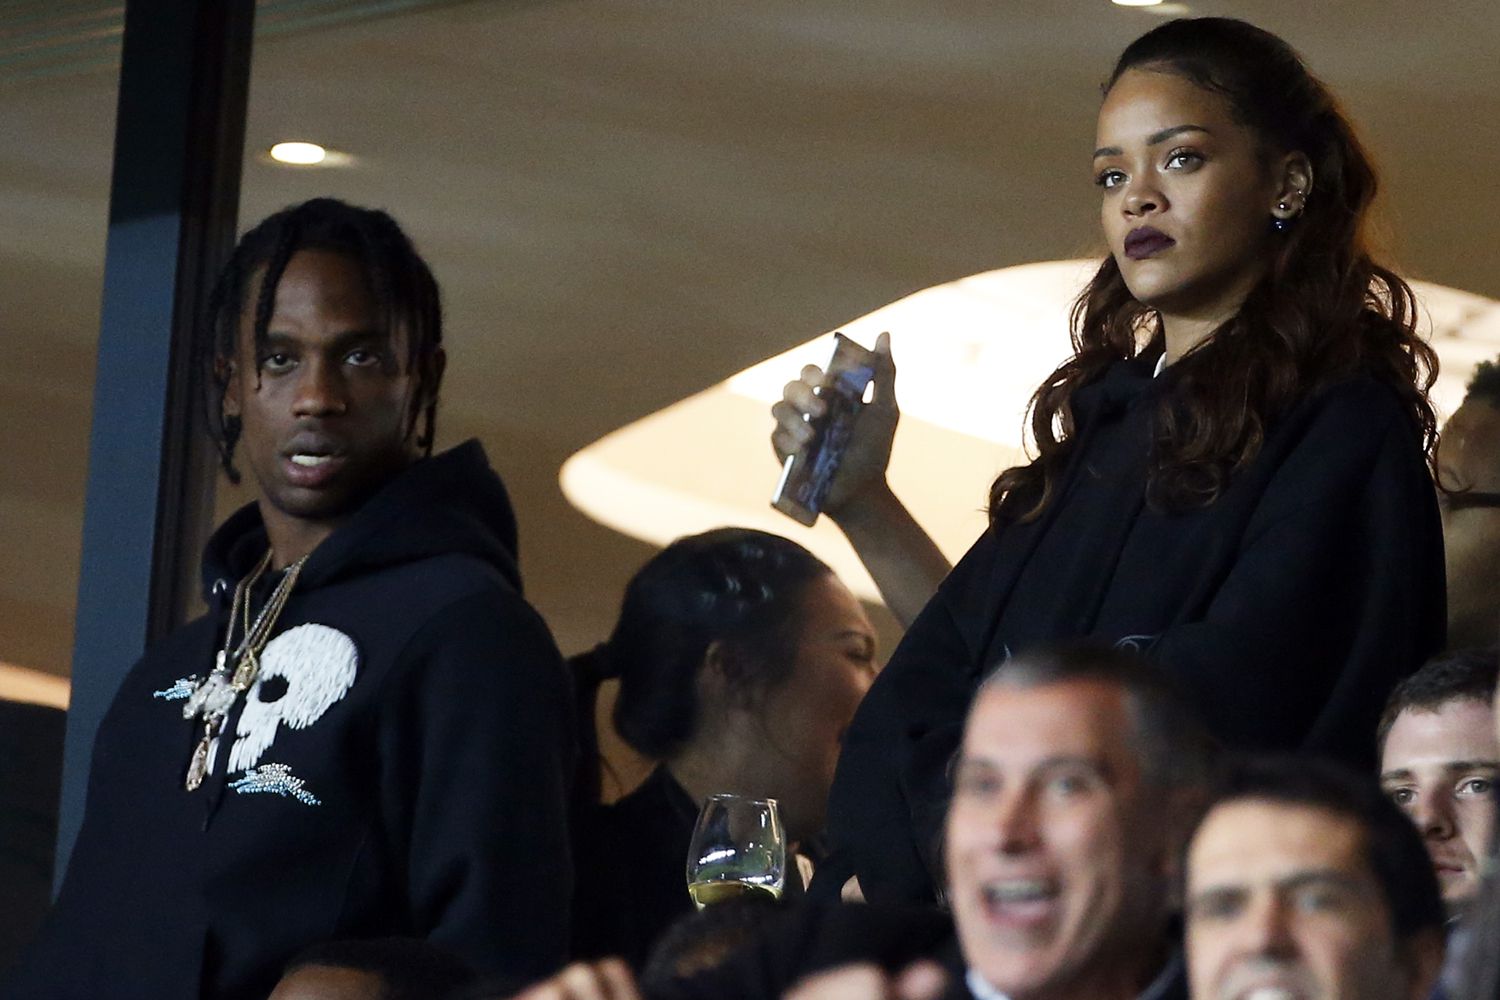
(738, 849)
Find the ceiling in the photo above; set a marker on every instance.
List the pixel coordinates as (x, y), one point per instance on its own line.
(626, 202)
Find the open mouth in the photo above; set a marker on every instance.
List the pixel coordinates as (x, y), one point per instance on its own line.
(1268, 979)
(1019, 891)
(1020, 901)
(311, 461)
(312, 464)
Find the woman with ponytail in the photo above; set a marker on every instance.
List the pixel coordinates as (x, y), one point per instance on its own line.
(741, 659)
(1232, 471)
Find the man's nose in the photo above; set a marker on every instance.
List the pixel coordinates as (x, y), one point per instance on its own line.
(1267, 927)
(1433, 815)
(1017, 827)
(320, 390)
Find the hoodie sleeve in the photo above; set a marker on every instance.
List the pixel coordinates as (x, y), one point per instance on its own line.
(1337, 591)
(476, 748)
(881, 825)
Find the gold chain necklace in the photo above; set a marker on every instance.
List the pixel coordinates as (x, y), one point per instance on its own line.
(237, 665)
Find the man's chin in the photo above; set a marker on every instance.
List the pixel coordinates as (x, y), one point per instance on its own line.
(1016, 972)
(315, 506)
(1459, 904)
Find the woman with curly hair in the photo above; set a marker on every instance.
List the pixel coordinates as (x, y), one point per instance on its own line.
(1232, 471)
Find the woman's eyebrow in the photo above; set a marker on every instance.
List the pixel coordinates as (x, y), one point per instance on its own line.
(1155, 138)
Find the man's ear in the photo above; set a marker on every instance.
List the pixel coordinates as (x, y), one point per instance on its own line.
(432, 375)
(1175, 818)
(224, 374)
(429, 376)
(1294, 185)
(1422, 954)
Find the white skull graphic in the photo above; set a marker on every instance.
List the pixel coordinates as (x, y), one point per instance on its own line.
(303, 672)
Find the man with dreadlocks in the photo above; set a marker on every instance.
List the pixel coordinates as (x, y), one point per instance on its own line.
(369, 734)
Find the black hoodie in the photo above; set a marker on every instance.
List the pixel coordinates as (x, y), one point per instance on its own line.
(1286, 610)
(399, 768)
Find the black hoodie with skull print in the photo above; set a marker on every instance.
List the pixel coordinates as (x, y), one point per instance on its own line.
(399, 767)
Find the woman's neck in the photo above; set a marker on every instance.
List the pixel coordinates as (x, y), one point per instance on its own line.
(706, 767)
(1185, 333)
(1188, 325)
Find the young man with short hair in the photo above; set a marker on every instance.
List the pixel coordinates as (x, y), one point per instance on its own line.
(1303, 881)
(1439, 761)
(369, 734)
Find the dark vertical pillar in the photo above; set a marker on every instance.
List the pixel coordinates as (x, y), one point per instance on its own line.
(174, 199)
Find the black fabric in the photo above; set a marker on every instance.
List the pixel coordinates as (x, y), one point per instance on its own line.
(631, 861)
(816, 937)
(440, 776)
(588, 671)
(31, 749)
(1286, 610)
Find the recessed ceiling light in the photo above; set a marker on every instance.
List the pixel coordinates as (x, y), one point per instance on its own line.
(302, 154)
(1136, 3)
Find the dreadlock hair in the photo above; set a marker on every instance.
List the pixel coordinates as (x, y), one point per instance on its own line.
(1324, 309)
(1485, 385)
(398, 280)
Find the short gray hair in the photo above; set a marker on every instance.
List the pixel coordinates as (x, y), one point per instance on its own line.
(1176, 751)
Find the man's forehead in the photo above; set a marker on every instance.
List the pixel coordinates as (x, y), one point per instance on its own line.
(1251, 842)
(1460, 729)
(1085, 719)
(333, 274)
(319, 281)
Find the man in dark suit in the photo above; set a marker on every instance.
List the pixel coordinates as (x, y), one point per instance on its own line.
(1079, 777)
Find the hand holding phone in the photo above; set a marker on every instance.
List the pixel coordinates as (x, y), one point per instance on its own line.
(807, 473)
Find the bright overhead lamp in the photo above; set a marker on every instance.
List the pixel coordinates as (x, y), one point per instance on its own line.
(301, 154)
(1136, 3)
(970, 353)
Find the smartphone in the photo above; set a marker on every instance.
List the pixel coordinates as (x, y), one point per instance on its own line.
(807, 475)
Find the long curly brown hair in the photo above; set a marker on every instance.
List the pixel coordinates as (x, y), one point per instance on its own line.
(1324, 309)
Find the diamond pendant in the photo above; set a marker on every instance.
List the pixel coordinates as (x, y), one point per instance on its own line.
(244, 673)
(198, 766)
(200, 696)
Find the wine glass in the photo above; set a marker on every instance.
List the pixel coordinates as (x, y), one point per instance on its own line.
(738, 849)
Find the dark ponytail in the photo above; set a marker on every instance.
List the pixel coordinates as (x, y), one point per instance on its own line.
(736, 587)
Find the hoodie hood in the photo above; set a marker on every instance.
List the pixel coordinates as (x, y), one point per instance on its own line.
(452, 503)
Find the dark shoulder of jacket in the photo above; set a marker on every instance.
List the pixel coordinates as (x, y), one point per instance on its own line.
(1358, 401)
(187, 649)
(449, 504)
(490, 614)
